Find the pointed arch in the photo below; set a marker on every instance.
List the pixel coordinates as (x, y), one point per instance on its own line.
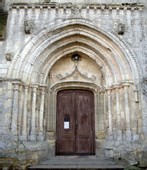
(49, 45)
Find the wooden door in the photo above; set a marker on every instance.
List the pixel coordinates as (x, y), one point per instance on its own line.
(75, 123)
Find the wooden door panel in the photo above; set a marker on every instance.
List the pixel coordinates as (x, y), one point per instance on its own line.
(67, 145)
(65, 110)
(83, 145)
(77, 108)
(84, 122)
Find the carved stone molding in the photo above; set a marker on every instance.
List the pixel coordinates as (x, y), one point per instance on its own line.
(127, 6)
(8, 57)
(145, 86)
(119, 85)
(121, 29)
(28, 27)
(76, 74)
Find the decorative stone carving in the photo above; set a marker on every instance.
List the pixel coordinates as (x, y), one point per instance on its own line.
(121, 29)
(145, 86)
(8, 57)
(76, 74)
(28, 27)
(76, 11)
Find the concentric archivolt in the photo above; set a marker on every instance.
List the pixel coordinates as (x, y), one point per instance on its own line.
(33, 62)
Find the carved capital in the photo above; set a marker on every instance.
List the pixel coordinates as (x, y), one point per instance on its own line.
(108, 90)
(34, 87)
(26, 86)
(16, 85)
(42, 88)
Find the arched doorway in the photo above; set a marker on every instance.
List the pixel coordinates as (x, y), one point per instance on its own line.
(75, 122)
(47, 68)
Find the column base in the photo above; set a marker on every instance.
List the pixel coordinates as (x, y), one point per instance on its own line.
(40, 137)
(110, 136)
(119, 135)
(32, 137)
(128, 135)
(23, 137)
(135, 137)
(114, 134)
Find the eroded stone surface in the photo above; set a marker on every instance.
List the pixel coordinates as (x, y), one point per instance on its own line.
(112, 65)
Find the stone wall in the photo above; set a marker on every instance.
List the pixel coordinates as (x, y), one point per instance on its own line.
(39, 42)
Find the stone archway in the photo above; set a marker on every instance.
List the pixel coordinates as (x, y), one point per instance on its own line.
(112, 76)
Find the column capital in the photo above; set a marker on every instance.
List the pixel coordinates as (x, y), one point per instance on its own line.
(34, 87)
(117, 86)
(16, 82)
(109, 89)
(42, 86)
(126, 83)
(16, 85)
(26, 86)
(42, 89)
(102, 91)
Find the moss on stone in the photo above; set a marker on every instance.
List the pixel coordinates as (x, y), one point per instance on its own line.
(131, 168)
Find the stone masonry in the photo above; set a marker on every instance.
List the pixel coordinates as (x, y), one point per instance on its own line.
(35, 63)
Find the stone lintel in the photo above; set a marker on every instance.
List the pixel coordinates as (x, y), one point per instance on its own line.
(126, 6)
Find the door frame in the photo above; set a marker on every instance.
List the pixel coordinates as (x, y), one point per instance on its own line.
(92, 118)
(52, 100)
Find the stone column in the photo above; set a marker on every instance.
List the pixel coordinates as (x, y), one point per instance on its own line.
(127, 113)
(25, 112)
(97, 113)
(101, 122)
(15, 109)
(33, 116)
(41, 114)
(118, 114)
(102, 111)
(110, 131)
(54, 111)
(105, 113)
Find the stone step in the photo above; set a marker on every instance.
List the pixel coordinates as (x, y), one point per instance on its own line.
(74, 167)
(73, 163)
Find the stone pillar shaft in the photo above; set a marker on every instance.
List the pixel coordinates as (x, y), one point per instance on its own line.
(33, 117)
(119, 134)
(25, 112)
(15, 110)
(110, 132)
(41, 114)
(127, 114)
